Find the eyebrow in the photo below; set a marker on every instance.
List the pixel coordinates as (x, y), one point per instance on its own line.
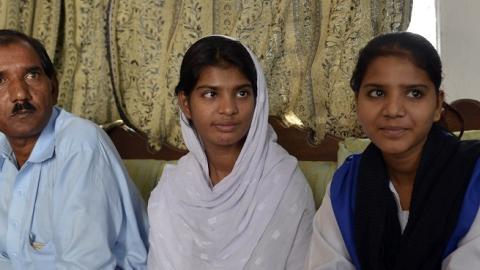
(216, 87)
(28, 69)
(402, 85)
(415, 86)
(372, 85)
(34, 68)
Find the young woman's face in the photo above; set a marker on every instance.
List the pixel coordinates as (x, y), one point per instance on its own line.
(397, 105)
(220, 106)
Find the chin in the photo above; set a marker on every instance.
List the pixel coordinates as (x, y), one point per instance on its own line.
(228, 142)
(393, 151)
(390, 147)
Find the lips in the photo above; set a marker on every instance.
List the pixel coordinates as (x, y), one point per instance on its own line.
(225, 126)
(393, 131)
(22, 113)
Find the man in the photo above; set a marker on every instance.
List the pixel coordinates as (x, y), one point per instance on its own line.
(66, 202)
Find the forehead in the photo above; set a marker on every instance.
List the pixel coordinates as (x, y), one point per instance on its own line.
(222, 75)
(18, 54)
(391, 69)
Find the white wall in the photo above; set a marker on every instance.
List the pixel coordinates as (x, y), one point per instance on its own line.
(459, 25)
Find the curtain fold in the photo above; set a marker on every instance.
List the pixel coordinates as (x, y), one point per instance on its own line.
(122, 57)
(346, 26)
(85, 82)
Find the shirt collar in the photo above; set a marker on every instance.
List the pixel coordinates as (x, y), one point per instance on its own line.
(5, 149)
(45, 145)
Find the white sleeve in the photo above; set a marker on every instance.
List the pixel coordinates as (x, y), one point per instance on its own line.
(327, 249)
(467, 254)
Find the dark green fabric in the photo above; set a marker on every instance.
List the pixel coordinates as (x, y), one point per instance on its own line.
(145, 173)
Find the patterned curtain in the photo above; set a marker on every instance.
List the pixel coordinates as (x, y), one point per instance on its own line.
(81, 58)
(149, 39)
(126, 54)
(346, 26)
(40, 19)
(74, 34)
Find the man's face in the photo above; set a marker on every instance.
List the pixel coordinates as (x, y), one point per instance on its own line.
(27, 95)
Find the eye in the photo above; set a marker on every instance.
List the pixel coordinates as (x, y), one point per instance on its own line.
(32, 74)
(209, 93)
(244, 92)
(375, 93)
(2, 80)
(415, 93)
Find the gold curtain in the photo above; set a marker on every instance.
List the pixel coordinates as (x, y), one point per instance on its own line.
(346, 26)
(131, 50)
(36, 18)
(149, 39)
(74, 34)
(85, 81)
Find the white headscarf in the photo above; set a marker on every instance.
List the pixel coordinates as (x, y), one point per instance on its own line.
(195, 226)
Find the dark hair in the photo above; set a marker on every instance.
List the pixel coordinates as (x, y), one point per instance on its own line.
(214, 51)
(404, 44)
(8, 37)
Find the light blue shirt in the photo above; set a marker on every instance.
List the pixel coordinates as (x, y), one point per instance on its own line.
(72, 204)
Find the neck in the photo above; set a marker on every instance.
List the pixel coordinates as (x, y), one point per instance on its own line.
(221, 162)
(22, 148)
(402, 172)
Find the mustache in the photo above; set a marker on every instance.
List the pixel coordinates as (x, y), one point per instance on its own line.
(23, 106)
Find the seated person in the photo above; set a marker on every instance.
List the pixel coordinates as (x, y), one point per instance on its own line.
(411, 199)
(237, 200)
(66, 202)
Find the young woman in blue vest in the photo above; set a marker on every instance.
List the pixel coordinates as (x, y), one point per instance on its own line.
(411, 199)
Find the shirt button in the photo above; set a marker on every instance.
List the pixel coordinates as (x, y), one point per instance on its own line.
(20, 192)
(14, 224)
(14, 254)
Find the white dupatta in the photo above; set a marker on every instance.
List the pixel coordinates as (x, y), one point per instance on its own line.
(195, 226)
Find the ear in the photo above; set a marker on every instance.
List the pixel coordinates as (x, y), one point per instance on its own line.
(439, 109)
(54, 84)
(184, 104)
(356, 101)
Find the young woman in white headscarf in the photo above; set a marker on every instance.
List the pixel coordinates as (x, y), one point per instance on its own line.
(237, 200)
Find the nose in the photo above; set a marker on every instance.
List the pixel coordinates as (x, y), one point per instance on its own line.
(19, 90)
(393, 107)
(228, 105)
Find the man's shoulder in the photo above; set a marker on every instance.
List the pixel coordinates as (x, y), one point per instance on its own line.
(74, 131)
